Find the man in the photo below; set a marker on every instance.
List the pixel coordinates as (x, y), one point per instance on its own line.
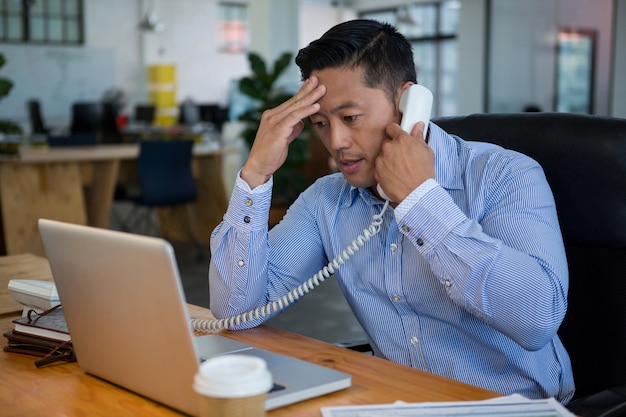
(467, 277)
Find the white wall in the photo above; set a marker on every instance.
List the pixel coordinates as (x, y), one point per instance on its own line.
(523, 50)
(190, 42)
(316, 18)
(116, 53)
(472, 57)
(112, 26)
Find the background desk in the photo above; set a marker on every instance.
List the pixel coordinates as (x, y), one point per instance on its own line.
(66, 390)
(77, 185)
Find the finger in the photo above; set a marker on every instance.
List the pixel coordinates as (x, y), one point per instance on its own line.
(395, 131)
(296, 109)
(308, 94)
(418, 130)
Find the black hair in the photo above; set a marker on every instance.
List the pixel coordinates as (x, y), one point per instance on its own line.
(384, 56)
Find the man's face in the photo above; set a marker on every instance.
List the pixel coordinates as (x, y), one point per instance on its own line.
(351, 122)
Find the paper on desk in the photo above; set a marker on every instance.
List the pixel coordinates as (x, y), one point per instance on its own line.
(512, 405)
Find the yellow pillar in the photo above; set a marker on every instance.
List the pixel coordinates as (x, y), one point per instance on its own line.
(162, 93)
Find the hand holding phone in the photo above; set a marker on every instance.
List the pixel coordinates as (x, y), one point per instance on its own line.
(415, 105)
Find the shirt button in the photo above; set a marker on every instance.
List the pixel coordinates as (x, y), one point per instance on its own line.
(420, 242)
(248, 202)
(241, 263)
(448, 283)
(393, 247)
(405, 228)
(246, 219)
(414, 340)
(396, 298)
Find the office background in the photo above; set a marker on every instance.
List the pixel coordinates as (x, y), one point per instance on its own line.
(506, 52)
(506, 59)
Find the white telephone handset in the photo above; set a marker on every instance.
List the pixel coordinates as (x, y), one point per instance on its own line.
(415, 105)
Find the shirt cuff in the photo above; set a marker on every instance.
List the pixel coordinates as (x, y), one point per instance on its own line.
(405, 206)
(243, 185)
(248, 209)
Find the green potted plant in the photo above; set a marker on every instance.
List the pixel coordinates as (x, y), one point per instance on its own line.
(5, 87)
(290, 180)
(7, 144)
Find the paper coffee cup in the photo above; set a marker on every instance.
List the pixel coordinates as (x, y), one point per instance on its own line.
(233, 385)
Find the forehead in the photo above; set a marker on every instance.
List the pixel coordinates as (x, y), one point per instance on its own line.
(340, 78)
(345, 88)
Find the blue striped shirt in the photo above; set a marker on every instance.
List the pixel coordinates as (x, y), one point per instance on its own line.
(466, 279)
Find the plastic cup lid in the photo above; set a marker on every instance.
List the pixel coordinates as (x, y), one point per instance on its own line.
(233, 376)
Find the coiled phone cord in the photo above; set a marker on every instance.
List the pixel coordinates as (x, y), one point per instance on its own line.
(204, 325)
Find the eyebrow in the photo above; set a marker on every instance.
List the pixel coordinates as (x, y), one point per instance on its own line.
(346, 105)
(342, 106)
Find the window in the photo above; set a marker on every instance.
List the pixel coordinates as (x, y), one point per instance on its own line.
(574, 66)
(432, 30)
(42, 21)
(233, 27)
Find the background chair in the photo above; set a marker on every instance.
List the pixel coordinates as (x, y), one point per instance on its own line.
(189, 113)
(165, 180)
(109, 130)
(213, 113)
(584, 159)
(86, 117)
(144, 114)
(37, 125)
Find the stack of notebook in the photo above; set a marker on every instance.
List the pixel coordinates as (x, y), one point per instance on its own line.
(41, 334)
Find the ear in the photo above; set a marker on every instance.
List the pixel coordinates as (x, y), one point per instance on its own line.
(401, 89)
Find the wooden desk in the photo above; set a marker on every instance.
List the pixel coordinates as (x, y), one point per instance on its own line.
(64, 389)
(76, 185)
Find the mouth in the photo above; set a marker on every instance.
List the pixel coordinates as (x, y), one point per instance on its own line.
(349, 166)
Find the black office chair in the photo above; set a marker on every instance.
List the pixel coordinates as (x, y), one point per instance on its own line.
(584, 159)
(144, 114)
(37, 125)
(86, 117)
(213, 113)
(165, 180)
(109, 131)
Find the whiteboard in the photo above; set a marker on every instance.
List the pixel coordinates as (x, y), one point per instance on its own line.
(56, 76)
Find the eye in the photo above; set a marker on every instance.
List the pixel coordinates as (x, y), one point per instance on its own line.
(350, 119)
(320, 125)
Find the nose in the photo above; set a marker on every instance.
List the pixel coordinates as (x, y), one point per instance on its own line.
(339, 138)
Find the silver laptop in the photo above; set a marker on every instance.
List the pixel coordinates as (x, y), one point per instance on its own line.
(128, 319)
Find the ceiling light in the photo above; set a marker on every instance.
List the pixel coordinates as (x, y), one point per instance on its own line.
(150, 22)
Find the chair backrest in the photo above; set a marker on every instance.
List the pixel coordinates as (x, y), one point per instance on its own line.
(165, 173)
(584, 159)
(110, 132)
(213, 113)
(144, 113)
(86, 117)
(189, 113)
(37, 124)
